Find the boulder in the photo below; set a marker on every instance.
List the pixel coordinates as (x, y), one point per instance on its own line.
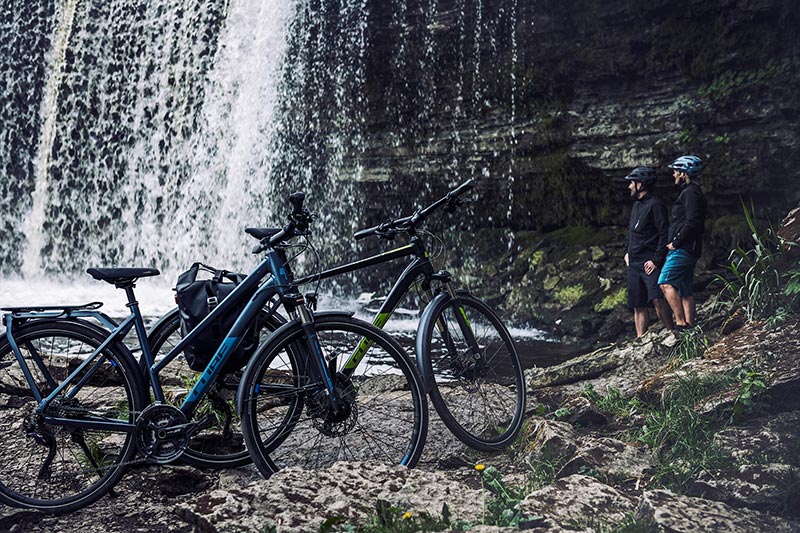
(773, 488)
(579, 502)
(666, 511)
(774, 439)
(298, 500)
(550, 442)
(611, 460)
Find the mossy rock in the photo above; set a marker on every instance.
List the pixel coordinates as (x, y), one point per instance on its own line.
(612, 300)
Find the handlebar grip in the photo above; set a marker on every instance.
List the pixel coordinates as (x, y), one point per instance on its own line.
(461, 189)
(297, 199)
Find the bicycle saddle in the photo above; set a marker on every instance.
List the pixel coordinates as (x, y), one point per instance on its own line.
(261, 233)
(121, 276)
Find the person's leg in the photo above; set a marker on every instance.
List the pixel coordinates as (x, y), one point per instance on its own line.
(664, 313)
(688, 305)
(675, 303)
(640, 320)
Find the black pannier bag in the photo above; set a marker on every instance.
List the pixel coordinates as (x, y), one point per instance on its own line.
(196, 298)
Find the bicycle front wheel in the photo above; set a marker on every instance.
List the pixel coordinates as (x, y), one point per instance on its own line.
(221, 444)
(58, 467)
(472, 370)
(379, 412)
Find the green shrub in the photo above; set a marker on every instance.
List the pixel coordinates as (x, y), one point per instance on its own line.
(761, 279)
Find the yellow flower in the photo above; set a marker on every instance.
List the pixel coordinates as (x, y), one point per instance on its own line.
(407, 515)
(479, 467)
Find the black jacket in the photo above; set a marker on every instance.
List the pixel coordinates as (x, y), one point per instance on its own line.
(647, 231)
(688, 219)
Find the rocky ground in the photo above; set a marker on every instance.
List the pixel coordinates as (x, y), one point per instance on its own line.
(577, 466)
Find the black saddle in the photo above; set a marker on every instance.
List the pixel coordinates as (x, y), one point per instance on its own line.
(121, 276)
(261, 233)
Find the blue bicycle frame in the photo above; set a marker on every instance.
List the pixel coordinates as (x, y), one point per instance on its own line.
(279, 283)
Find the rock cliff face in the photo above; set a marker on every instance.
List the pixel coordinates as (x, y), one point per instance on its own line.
(546, 103)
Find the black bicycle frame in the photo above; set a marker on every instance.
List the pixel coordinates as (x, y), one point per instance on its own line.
(420, 266)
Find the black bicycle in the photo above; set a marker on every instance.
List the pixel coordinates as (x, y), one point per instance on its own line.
(466, 356)
(76, 407)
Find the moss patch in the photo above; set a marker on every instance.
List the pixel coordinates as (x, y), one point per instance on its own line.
(570, 295)
(612, 300)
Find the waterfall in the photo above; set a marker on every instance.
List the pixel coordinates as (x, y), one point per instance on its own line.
(154, 125)
(151, 132)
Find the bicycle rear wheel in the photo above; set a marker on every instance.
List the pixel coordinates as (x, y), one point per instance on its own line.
(289, 421)
(58, 468)
(221, 445)
(477, 388)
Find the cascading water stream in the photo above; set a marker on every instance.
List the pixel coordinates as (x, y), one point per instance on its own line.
(32, 226)
(154, 137)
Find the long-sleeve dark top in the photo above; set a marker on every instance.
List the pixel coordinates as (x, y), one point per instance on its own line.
(647, 231)
(688, 220)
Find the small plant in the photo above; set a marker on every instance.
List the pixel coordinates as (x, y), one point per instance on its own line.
(692, 343)
(613, 403)
(389, 518)
(753, 383)
(722, 139)
(503, 510)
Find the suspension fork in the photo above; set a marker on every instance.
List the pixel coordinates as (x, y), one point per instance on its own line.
(319, 366)
(461, 318)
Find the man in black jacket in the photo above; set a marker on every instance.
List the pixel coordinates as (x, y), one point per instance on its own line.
(645, 250)
(685, 241)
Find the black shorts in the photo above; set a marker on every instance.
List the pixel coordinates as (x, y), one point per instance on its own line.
(642, 289)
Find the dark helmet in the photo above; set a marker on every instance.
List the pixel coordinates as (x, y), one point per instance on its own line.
(690, 164)
(646, 175)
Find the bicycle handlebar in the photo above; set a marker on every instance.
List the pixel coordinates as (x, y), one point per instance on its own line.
(299, 220)
(412, 221)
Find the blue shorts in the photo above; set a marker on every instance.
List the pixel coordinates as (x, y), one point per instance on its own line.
(678, 271)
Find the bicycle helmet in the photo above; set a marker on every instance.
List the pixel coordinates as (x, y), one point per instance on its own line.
(690, 164)
(646, 175)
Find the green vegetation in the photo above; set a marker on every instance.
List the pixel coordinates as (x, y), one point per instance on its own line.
(691, 345)
(569, 295)
(610, 301)
(762, 279)
(681, 423)
(730, 82)
(389, 518)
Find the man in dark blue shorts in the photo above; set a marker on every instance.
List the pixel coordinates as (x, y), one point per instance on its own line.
(685, 241)
(645, 250)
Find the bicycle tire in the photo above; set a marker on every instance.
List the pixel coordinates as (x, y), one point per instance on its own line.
(385, 413)
(222, 444)
(54, 468)
(481, 401)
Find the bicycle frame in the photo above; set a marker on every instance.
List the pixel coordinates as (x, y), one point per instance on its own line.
(420, 266)
(280, 283)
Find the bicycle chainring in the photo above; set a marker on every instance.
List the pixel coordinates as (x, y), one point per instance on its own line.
(161, 435)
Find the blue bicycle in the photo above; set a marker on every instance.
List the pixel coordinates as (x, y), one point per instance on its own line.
(77, 408)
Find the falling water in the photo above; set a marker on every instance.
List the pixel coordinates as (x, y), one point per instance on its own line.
(164, 127)
(32, 226)
(153, 148)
